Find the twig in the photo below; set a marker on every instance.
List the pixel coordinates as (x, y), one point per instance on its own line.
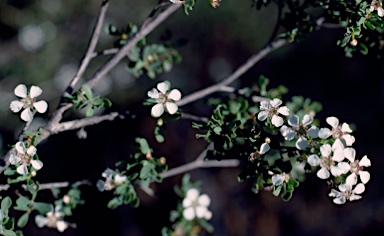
(105, 52)
(76, 124)
(199, 164)
(193, 117)
(114, 60)
(50, 185)
(235, 75)
(91, 48)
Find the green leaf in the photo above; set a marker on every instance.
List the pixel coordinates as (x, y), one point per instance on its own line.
(217, 130)
(144, 147)
(88, 92)
(90, 112)
(6, 204)
(277, 190)
(146, 170)
(42, 207)
(23, 220)
(7, 232)
(22, 203)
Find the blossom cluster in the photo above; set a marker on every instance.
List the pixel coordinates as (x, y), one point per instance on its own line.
(196, 205)
(164, 99)
(328, 149)
(28, 102)
(112, 180)
(53, 219)
(24, 158)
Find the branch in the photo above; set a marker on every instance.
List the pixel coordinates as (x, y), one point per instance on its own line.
(114, 60)
(199, 164)
(193, 117)
(91, 48)
(76, 124)
(50, 185)
(221, 86)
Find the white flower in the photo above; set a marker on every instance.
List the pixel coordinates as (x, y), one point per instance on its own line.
(196, 206)
(346, 192)
(271, 109)
(378, 6)
(164, 99)
(278, 179)
(263, 149)
(327, 162)
(356, 167)
(299, 130)
(112, 179)
(338, 131)
(25, 157)
(53, 219)
(28, 102)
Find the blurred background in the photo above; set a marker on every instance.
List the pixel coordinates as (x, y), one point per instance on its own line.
(43, 41)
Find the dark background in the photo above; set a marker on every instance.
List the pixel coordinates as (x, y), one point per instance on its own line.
(219, 40)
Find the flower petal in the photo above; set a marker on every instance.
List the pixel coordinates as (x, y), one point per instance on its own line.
(175, 95)
(349, 139)
(314, 160)
(351, 179)
(163, 87)
(323, 173)
(61, 225)
(153, 93)
(365, 161)
(313, 131)
(41, 106)
(339, 200)
(338, 155)
(204, 200)
(37, 164)
(264, 105)
(31, 150)
(277, 179)
(187, 202)
(22, 169)
(40, 221)
(157, 110)
(13, 159)
(171, 107)
(283, 110)
(264, 148)
(325, 150)
(293, 121)
(35, 91)
(189, 213)
(360, 188)
(350, 154)
(333, 121)
(324, 133)
(354, 197)
(192, 194)
(262, 115)
(345, 128)
(20, 147)
(301, 143)
(200, 211)
(344, 167)
(307, 120)
(364, 176)
(26, 115)
(277, 121)
(276, 102)
(337, 145)
(16, 106)
(21, 90)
